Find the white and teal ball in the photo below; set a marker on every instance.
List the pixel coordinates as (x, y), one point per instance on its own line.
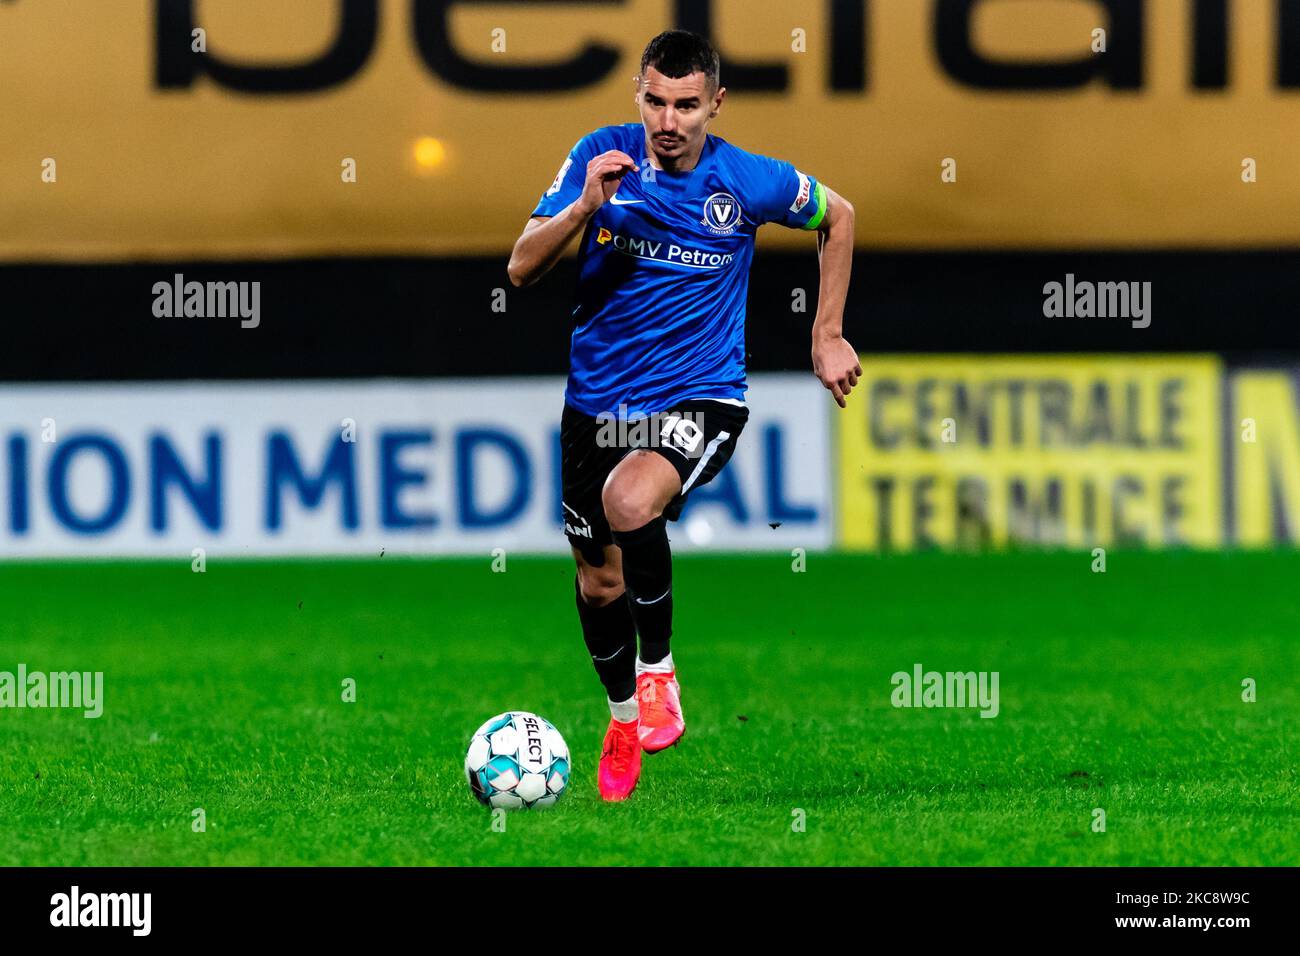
(517, 760)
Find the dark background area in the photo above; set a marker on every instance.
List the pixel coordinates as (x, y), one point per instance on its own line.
(414, 317)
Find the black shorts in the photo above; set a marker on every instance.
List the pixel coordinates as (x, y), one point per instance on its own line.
(696, 437)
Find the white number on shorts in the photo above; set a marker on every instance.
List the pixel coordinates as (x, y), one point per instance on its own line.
(682, 433)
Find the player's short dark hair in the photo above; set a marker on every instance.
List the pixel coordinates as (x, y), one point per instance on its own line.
(678, 53)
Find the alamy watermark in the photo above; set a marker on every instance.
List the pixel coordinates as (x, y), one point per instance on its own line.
(208, 300)
(922, 688)
(1101, 300)
(76, 690)
(681, 431)
(74, 908)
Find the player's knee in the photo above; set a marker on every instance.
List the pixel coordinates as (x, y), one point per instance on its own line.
(626, 507)
(599, 586)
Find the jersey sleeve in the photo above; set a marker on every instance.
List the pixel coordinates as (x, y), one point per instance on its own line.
(573, 173)
(787, 196)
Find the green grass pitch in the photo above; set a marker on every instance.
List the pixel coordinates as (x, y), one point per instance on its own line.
(1120, 691)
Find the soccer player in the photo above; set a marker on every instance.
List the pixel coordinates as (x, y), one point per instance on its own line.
(667, 213)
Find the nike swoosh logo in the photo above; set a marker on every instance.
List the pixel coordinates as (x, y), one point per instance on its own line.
(623, 202)
(656, 600)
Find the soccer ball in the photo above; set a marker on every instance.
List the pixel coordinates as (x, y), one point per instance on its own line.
(517, 760)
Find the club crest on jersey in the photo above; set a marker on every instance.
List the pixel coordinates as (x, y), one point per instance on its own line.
(721, 214)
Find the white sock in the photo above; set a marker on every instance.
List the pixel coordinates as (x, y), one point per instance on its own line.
(625, 711)
(665, 666)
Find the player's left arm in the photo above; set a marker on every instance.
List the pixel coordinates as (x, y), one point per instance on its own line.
(782, 194)
(835, 363)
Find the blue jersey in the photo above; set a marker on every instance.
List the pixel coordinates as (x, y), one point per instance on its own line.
(663, 270)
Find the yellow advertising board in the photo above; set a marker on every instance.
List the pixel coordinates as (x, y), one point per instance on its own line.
(975, 451)
(173, 128)
(1264, 431)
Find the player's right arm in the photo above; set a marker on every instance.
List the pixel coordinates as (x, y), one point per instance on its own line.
(545, 238)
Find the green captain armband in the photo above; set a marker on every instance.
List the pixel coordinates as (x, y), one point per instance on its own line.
(819, 197)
